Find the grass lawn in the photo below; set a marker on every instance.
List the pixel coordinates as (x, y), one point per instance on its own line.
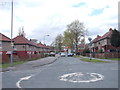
(8, 64)
(111, 58)
(16, 63)
(92, 60)
(88, 59)
(114, 59)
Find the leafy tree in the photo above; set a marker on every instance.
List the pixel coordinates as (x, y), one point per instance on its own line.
(68, 39)
(75, 29)
(57, 43)
(115, 38)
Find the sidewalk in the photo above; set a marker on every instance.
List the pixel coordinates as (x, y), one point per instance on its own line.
(31, 64)
(108, 60)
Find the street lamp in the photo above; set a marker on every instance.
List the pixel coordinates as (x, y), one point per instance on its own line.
(44, 38)
(44, 44)
(90, 39)
(11, 57)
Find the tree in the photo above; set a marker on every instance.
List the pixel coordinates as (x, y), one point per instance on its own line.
(115, 39)
(68, 39)
(57, 43)
(76, 30)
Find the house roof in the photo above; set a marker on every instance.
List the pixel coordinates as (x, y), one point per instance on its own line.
(96, 39)
(41, 45)
(106, 35)
(22, 40)
(48, 47)
(4, 38)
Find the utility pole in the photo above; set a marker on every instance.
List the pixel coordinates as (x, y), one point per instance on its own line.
(11, 56)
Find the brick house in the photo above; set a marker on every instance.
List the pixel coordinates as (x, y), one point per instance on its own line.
(103, 43)
(5, 44)
(25, 49)
(81, 47)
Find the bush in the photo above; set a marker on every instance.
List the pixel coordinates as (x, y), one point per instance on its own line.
(85, 51)
(100, 51)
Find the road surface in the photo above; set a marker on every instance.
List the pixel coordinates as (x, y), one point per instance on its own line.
(66, 72)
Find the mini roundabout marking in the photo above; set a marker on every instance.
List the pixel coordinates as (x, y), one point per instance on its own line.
(80, 77)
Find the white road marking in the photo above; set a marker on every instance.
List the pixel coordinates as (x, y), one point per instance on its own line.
(77, 77)
(21, 79)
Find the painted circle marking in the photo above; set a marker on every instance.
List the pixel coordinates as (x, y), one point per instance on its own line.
(81, 77)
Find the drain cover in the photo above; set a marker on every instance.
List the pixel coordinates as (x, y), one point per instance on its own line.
(81, 77)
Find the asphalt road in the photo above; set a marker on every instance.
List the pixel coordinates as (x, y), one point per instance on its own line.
(49, 76)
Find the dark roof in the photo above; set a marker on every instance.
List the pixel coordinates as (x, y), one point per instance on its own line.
(4, 38)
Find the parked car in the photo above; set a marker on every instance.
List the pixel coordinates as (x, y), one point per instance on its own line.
(70, 54)
(52, 54)
(62, 55)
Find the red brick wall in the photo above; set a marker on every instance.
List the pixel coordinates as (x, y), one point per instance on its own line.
(22, 55)
(105, 55)
(5, 58)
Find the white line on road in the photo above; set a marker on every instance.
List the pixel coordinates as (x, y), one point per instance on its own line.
(21, 79)
(77, 77)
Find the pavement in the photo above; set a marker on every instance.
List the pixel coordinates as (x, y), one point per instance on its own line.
(31, 64)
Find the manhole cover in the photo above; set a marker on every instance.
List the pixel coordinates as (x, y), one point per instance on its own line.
(81, 77)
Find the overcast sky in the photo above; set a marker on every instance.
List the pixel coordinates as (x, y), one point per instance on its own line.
(50, 17)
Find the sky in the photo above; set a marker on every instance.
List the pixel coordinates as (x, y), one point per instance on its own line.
(51, 17)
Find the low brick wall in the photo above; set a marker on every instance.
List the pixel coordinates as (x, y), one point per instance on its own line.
(105, 55)
(19, 56)
(5, 58)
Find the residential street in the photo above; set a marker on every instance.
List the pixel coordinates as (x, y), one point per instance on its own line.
(51, 76)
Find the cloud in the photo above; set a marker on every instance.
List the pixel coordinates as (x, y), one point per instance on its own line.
(41, 17)
(79, 4)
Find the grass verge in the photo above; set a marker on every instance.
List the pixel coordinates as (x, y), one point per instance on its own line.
(14, 63)
(88, 59)
(17, 62)
(113, 59)
(92, 60)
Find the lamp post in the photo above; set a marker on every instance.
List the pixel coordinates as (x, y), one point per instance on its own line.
(44, 44)
(11, 56)
(90, 46)
(44, 38)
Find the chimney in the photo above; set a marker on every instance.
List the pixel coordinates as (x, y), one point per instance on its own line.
(98, 36)
(110, 29)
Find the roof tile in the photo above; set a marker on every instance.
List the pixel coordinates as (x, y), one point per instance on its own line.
(4, 38)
